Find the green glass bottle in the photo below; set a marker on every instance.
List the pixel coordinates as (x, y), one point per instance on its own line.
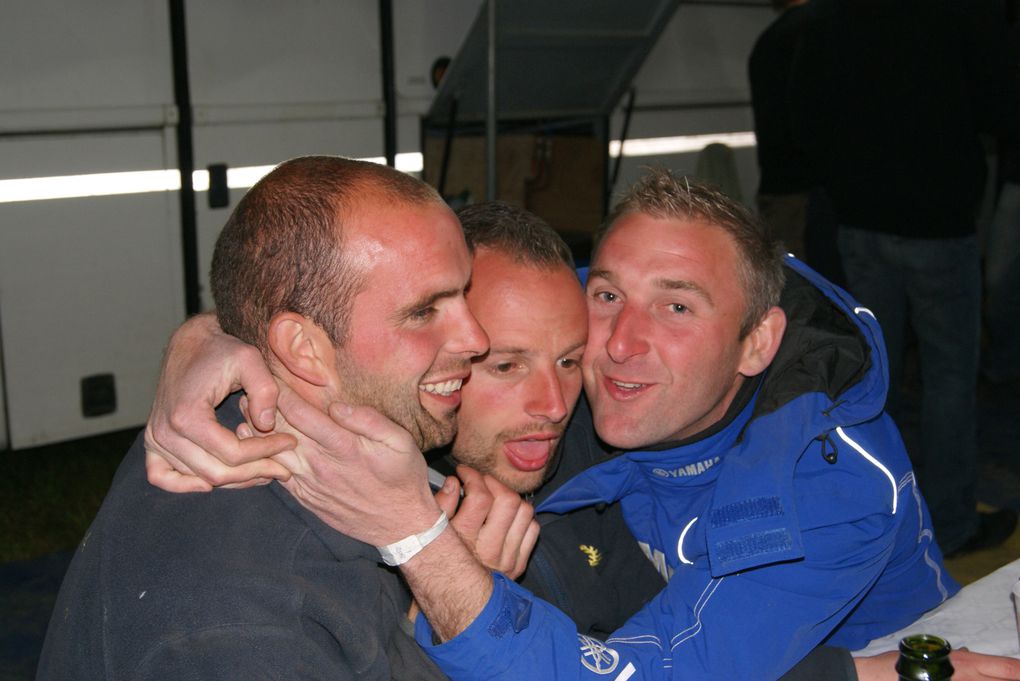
(924, 658)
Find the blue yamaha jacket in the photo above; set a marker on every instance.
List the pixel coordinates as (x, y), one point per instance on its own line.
(794, 522)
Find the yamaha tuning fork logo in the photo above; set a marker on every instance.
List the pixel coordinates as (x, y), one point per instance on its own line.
(597, 656)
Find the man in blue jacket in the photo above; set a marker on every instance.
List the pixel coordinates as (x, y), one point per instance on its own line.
(745, 438)
(515, 407)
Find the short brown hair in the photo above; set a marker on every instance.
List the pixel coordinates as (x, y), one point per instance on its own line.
(514, 232)
(282, 247)
(663, 194)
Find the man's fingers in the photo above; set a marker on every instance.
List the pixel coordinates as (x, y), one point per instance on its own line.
(513, 540)
(250, 455)
(449, 496)
(312, 422)
(371, 425)
(218, 474)
(221, 442)
(261, 390)
(971, 666)
(527, 546)
(260, 472)
(201, 367)
(469, 476)
(344, 428)
(506, 505)
(260, 447)
(161, 474)
(475, 506)
(505, 525)
(521, 522)
(254, 482)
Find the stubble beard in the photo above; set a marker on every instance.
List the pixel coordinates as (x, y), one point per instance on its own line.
(483, 456)
(401, 405)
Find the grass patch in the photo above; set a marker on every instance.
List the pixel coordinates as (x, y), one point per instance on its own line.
(49, 495)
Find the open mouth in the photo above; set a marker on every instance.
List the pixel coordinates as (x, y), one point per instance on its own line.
(443, 389)
(624, 389)
(530, 454)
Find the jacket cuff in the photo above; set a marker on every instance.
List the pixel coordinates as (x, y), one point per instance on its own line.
(506, 614)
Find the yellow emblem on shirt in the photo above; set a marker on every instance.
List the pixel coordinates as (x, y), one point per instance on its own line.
(594, 555)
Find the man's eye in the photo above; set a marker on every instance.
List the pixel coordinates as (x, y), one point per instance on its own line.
(568, 363)
(679, 308)
(606, 297)
(503, 367)
(423, 314)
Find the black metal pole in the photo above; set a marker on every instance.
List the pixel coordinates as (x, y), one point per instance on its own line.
(490, 110)
(389, 89)
(5, 413)
(602, 131)
(627, 112)
(451, 125)
(185, 157)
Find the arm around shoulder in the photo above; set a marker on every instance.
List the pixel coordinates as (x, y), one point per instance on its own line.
(187, 450)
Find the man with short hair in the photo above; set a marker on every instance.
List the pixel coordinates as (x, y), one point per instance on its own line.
(521, 394)
(780, 504)
(816, 533)
(515, 408)
(350, 278)
(516, 405)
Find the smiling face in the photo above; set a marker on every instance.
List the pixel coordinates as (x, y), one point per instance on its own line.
(412, 334)
(664, 357)
(520, 395)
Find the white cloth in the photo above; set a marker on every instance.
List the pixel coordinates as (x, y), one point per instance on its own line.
(981, 617)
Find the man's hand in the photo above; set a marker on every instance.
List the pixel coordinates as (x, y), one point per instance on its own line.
(492, 520)
(358, 471)
(186, 449)
(979, 667)
(968, 667)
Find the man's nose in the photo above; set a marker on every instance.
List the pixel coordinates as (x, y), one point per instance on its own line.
(467, 336)
(629, 334)
(545, 397)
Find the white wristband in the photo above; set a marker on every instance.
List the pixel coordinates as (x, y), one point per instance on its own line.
(407, 548)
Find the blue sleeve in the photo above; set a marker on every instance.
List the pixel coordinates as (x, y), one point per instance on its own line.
(514, 637)
(753, 624)
(761, 622)
(757, 624)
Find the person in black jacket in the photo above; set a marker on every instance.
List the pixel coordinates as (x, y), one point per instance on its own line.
(248, 583)
(515, 407)
(786, 178)
(1000, 357)
(890, 98)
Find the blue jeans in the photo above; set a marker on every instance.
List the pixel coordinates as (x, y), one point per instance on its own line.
(935, 286)
(1001, 360)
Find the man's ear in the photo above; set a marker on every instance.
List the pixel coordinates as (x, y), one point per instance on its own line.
(762, 343)
(301, 347)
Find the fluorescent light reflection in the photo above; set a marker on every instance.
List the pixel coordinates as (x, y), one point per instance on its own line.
(94, 184)
(237, 178)
(685, 144)
(411, 162)
(146, 181)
